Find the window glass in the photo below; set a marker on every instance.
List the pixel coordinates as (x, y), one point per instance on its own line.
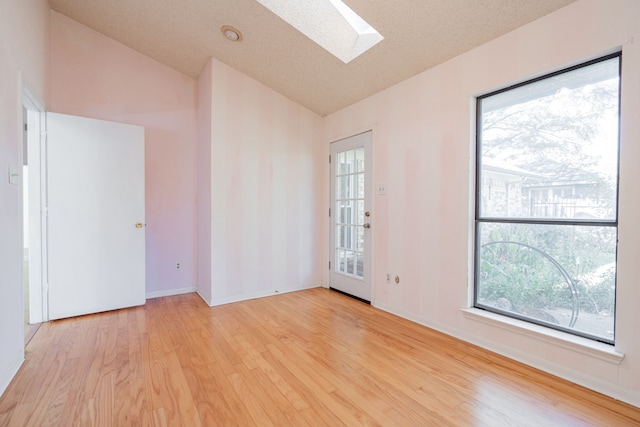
(559, 275)
(546, 209)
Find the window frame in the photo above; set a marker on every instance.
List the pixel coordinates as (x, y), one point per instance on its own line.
(478, 219)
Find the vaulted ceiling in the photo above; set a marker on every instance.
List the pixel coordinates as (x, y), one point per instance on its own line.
(418, 34)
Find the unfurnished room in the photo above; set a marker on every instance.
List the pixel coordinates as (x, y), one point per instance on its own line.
(319, 213)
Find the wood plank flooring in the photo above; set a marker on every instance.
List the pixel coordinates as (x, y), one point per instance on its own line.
(309, 358)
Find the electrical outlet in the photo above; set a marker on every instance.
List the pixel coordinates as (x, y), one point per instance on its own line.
(382, 189)
(177, 266)
(388, 278)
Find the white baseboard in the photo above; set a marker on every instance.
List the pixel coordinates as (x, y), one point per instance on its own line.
(612, 390)
(301, 288)
(260, 294)
(11, 371)
(203, 297)
(170, 292)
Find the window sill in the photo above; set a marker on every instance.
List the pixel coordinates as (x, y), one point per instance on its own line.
(561, 339)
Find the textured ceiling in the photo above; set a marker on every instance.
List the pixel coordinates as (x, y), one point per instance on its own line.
(418, 34)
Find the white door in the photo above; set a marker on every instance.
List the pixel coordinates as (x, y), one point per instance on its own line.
(351, 216)
(95, 222)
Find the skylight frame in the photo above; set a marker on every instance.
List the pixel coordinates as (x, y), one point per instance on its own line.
(331, 24)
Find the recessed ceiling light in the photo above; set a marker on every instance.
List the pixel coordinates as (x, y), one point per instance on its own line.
(231, 33)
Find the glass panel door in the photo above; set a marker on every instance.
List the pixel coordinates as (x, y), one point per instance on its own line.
(351, 215)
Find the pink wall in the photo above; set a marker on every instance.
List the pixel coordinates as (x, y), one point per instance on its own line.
(24, 54)
(95, 76)
(204, 183)
(261, 185)
(423, 139)
(267, 190)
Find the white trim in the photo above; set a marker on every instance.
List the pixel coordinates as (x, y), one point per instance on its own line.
(302, 287)
(11, 371)
(170, 292)
(203, 297)
(348, 134)
(374, 210)
(590, 382)
(561, 339)
(260, 294)
(242, 297)
(38, 301)
(36, 222)
(29, 98)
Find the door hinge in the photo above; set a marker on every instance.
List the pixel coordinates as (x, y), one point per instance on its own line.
(329, 265)
(329, 211)
(329, 158)
(25, 127)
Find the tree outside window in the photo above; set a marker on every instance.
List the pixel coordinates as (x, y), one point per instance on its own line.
(546, 205)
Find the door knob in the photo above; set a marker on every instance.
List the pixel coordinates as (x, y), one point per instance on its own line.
(139, 225)
(367, 225)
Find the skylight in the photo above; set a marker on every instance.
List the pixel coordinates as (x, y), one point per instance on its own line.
(329, 23)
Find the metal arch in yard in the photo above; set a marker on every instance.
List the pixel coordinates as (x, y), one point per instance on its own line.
(575, 309)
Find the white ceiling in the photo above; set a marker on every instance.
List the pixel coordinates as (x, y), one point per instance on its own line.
(418, 34)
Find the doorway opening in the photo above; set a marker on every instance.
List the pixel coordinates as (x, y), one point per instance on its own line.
(32, 219)
(25, 226)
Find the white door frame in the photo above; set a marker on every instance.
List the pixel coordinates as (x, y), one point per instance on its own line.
(334, 275)
(38, 308)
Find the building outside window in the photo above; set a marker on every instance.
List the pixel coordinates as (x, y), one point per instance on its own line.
(546, 204)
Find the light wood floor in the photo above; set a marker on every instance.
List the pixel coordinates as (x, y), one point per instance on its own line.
(309, 358)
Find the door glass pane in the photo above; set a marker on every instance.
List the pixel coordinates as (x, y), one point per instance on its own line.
(359, 238)
(344, 237)
(359, 219)
(347, 237)
(345, 163)
(359, 264)
(341, 163)
(341, 261)
(339, 213)
(350, 207)
(360, 186)
(349, 261)
(354, 236)
(350, 161)
(343, 187)
(359, 153)
(345, 211)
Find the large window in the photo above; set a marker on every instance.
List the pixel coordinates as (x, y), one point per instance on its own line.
(546, 205)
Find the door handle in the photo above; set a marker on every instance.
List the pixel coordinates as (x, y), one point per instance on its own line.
(139, 225)
(367, 225)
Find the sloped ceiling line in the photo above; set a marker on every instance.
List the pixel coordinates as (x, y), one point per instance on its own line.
(418, 34)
